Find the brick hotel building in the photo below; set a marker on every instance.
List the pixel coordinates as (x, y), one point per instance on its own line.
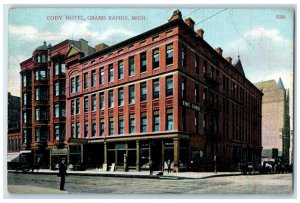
(165, 94)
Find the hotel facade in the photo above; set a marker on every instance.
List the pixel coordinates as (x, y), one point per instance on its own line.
(165, 94)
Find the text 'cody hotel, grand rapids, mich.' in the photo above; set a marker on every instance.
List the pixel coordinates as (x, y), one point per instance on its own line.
(165, 94)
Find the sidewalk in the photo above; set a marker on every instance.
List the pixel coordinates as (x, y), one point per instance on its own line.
(141, 174)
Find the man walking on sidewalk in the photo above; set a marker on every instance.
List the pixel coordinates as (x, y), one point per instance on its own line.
(62, 173)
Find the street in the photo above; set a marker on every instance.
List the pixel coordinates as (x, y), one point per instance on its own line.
(49, 184)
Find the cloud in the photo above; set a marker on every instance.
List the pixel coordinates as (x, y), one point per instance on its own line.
(69, 30)
(262, 33)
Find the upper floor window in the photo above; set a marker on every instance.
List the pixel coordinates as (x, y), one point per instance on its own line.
(120, 70)
(205, 67)
(93, 102)
(143, 91)
(24, 80)
(86, 104)
(111, 126)
(155, 121)
(93, 78)
(131, 94)
(86, 128)
(77, 83)
(121, 125)
(56, 88)
(111, 73)
(183, 57)
(86, 81)
(24, 98)
(169, 119)
(131, 66)
(102, 100)
(101, 127)
(143, 62)
(197, 92)
(156, 89)
(121, 97)
(94, 128)
(144, 122)
(72, 107)
(77, 130)
(40, 75)
(169, 54)
(102, 76)
(111, 99)
(183, 88)
(169, 86)
(77, 106)
(63, 68)
(155, 58)
(56, 110)
(72, 85)
(131, 124)
(56, 69)
(197, 64)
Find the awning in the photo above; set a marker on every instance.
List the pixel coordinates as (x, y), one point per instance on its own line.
(13, 157)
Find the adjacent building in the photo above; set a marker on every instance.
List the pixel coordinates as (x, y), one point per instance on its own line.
(13, 118)
(165, 94)
(43, 94)
(275, 120)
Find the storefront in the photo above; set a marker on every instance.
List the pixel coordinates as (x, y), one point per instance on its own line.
(56, 155)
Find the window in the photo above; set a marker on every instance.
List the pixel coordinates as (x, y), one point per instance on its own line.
(121, 97)
(24, 117)
(77, 130)
(155, 59)
(37, 75)
(24, 98)
(143, 91)
(155, 89)
(131, 94)
(101, 76)
(86, 81)
(93, 102)
(56, 88)
(37, 94)
(86, 128)
(56, 110)
(183, 84)
(72, 107)
(197, 121)
(56, 131)
(77, 106)
(37, 134)
(94, 128)
(120, 70)
(197, 92)
(24, 79)
(169, 119)
(37, 114)
(102, 100)
(121, 125)
(131, 124)
(63, 68)
(77, 83)
(183, 57)
(111, 99)
(101, 127)
(86, 104)
(197, 64)
(169, 85)
(72, 85)
(143, 62)
(143, 123)
(93, 78)
(72, 130)
(44, 58)
(111, 126)
(63, 88)
(169, 54)
(25, 136)
(131, 66)
(56, 69)
(155, 121)
(111, 73)
(205, 67)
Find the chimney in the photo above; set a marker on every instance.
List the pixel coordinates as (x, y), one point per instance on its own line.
(101, 46)
(84, 47)
(190, 22)
(229, 59)
(219, 50)
(200, 32)
(176, 15)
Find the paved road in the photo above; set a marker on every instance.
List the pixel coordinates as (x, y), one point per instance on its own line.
(258, 184)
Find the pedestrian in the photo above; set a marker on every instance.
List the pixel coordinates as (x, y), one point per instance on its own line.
(169, 165)
(62, 173)
(151, 167)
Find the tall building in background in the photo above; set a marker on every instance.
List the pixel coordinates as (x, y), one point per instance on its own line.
(165, 94)
(43, 97)
(275, 120)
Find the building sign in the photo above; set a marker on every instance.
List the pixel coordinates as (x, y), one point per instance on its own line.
(190, 105)
(78, 140)
(59, 151)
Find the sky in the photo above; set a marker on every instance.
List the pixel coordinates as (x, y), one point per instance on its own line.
(262, 37)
